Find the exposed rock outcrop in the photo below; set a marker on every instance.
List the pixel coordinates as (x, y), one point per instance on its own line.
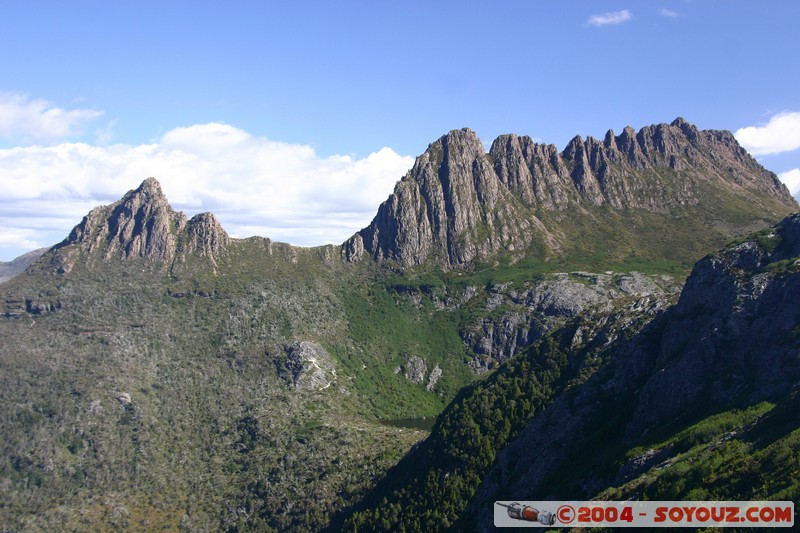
(529, 313)
(729, 342)
(205, 236)
(433, 378)
(141, 225)
(415, 369)
(307, 366)
(459, 204)
(451, 193)
(732, 334)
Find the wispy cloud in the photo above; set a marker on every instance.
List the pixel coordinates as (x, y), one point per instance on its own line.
(18, 238)
(780, 134)
(105, 135)
(25, 120)
(254, 185)
(668, 13)
(607, 19)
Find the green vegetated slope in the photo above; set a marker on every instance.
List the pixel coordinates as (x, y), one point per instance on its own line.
(150, 400)
(430, 487)
(144, 397)
(698, 401)
(139, 396)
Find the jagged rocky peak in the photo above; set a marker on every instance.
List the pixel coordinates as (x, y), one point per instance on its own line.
(452, 191)
(690, 130)
(648, 147)
(531, 170)
(141, 225)
(206, 237)
(458, 204)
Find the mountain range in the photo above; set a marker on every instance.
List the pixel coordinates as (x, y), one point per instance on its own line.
(458, 204)
(158, 374)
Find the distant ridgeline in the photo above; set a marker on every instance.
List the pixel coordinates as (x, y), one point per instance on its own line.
(9, 269)
(156, 373)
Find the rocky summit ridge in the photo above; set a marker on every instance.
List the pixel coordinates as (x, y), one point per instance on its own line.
(142, 224)
(459, 204)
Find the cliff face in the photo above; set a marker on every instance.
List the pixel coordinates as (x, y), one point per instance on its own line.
(450, 207)
(140, 225)
(731, 336)
(729, 343)
(641, 399)
(459, 204)
(205, 236)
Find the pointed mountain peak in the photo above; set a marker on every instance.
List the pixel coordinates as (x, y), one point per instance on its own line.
(149, 190)
(150, 184)
(679, 122)
(688, 129)
(462, 134)
(206, 219)
(141, 224)
(575, 149)
(610, 140)
(461, 141)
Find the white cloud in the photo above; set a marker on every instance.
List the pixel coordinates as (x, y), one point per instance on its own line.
(614, 17)
(792, 180)
(22, 119)
(668, 13)
(780, 134)
(18, 238)
(254, 185)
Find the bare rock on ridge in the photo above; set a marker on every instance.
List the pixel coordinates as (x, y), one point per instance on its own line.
(458, 204)
(206, 237)
(141, 225)
(450, 207)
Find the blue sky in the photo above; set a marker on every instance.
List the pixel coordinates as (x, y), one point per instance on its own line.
(294, 120)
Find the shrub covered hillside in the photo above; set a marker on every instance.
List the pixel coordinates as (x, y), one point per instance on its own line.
(698, 402)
